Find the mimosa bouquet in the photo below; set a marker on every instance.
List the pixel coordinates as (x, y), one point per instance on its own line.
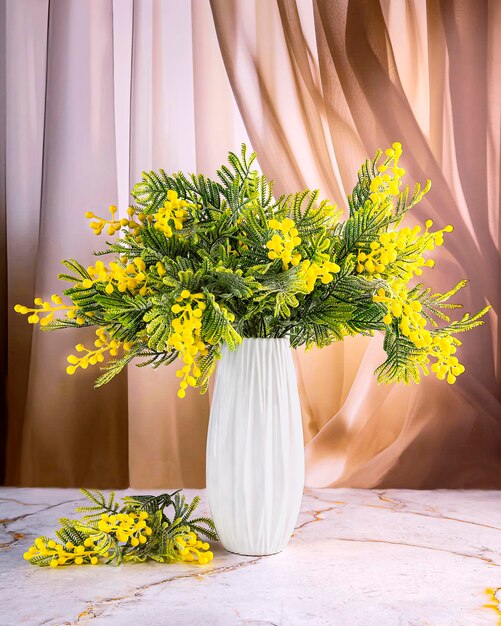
(200, 263)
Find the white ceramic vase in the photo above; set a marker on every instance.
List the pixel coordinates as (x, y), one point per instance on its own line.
(255, 452)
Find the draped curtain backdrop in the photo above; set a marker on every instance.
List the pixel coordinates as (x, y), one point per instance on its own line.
(93, 93)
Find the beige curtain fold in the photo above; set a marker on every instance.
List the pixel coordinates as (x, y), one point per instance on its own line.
(366, 74)
(60, 154)
(97, 92)
(162, 135)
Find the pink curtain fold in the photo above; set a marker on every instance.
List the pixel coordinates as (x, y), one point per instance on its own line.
(94, 93)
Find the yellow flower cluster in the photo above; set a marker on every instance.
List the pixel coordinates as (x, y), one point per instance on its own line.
(411, 321)
(126, 527)
(100, 223)
(413, 325)
(383, 252)
(172, 214)
(186, 336)
(103, 344)
(160, 269)
(124, 276)
(191, 549)
(132, 277)
(47, 309)
(405, 241)
(64, 555)
(130, 527)
(98, 272)
(282, 246)
(385, 186)
(312, 271)
(447, 365)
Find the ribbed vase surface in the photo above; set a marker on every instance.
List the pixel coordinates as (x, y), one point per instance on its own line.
(255, 453)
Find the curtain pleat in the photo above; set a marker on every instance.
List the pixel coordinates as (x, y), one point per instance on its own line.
(3, 251)
(25, 54)
(61, 162)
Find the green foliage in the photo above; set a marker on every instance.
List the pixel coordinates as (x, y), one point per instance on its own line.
(100, 505)
(182, 512)
(403, 360)
(203, 263)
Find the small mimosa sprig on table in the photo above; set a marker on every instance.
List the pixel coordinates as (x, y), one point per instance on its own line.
(161, 528)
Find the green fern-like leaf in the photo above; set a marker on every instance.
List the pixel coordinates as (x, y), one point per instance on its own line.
(100, 505)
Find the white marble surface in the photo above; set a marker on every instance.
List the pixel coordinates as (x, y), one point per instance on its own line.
(357, 558)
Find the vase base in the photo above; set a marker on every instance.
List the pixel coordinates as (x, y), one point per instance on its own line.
(247, 554)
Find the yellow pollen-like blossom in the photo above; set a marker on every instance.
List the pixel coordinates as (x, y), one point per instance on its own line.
(127, 527)
(173, 214)
(193, 550)
(98, 272)
(413, 326)
(313, 271)
(115, 224)
(386, 185)
(67, 554)
(281, 246)
(44, 311)
(411, 322)
(447, 366)
(120, 275)
(161, 269)
(404, 247)
(103, 344)
(186, 337)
